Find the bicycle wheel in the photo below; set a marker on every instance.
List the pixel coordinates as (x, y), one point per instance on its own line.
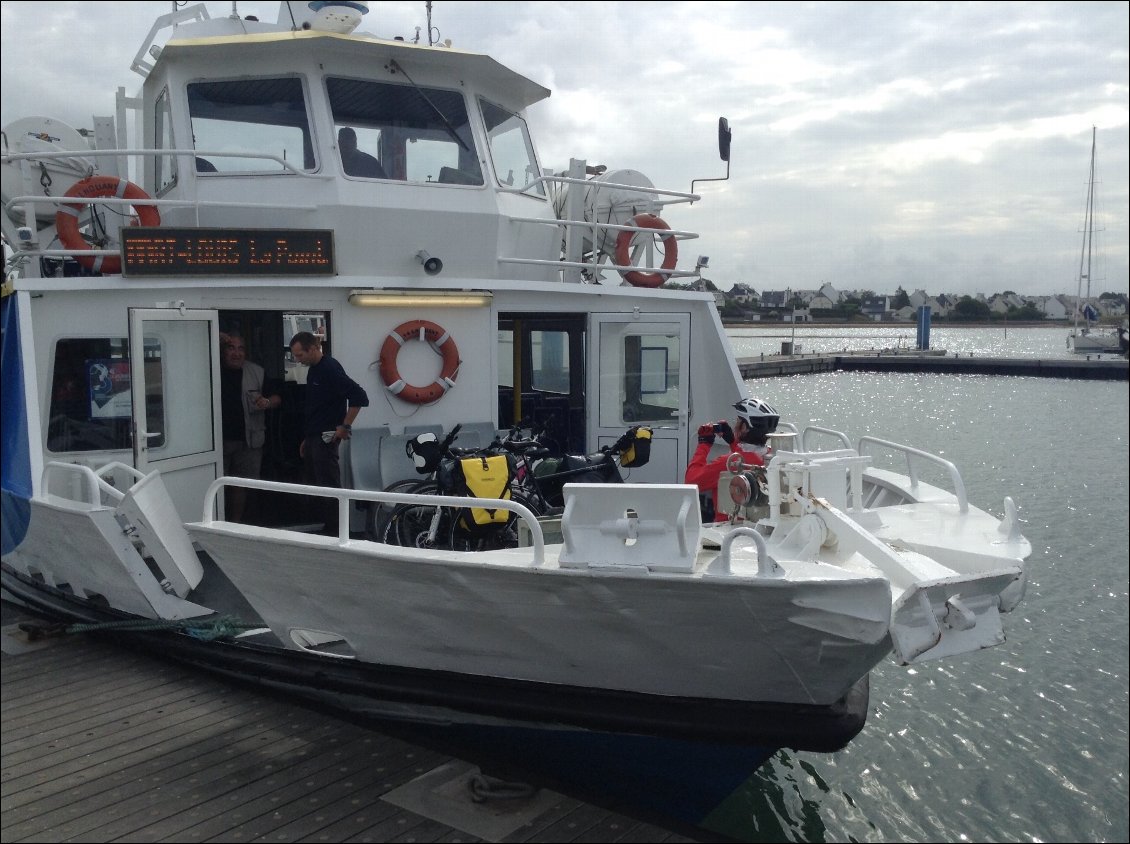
(378, 513)
(462, 537)
(419, 525)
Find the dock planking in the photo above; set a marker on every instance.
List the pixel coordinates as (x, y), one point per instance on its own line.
(103, 743)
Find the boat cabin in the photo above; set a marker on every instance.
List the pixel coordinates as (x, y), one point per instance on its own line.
(300, 176)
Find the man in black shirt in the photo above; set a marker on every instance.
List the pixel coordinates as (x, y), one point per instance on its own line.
(333, 400)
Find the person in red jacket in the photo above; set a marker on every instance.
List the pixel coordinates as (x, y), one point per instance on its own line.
(755, 421)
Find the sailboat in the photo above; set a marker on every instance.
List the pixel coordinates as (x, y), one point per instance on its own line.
(1084, 338)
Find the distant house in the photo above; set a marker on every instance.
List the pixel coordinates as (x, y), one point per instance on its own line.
(1055, 307)
(998, 305)
(775, 298)
(821, 301)
(742, 294)
(831, 294)
(918, 298)
(875, 307)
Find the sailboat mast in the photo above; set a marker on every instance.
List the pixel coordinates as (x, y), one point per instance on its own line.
(1088, 233)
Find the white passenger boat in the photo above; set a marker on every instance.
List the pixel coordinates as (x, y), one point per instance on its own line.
(643, 653)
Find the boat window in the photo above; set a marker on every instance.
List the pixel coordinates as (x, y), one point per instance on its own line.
(293, 323)
(646, 388)
(549, 364)
(91, 403)
(411, 133)
(255, 117)
(511, 149)
(164, 166)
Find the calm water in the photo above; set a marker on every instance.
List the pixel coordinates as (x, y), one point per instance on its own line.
(1027, 741)
(1036, 342)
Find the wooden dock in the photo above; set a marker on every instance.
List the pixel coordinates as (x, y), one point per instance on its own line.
(102, 743)
(1095, 368)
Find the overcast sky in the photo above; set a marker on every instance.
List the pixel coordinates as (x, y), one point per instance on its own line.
(942, 146)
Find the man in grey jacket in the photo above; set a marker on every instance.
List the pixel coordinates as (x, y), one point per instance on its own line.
(244, 404)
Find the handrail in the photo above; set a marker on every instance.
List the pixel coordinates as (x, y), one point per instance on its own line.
(344, 496)
(817, 429)
(265, 156)
(94, 484)
(569, 180)
(595, 264)
(955, 476)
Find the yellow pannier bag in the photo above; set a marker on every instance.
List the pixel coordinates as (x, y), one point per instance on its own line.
(487, 477)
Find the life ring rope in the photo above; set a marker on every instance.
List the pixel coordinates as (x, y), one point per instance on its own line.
(93, 187)
(440, 340)
(623, 256)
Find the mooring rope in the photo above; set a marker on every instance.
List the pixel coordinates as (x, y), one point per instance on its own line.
(203, 629)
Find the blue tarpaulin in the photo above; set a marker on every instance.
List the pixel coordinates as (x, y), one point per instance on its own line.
(15, 463)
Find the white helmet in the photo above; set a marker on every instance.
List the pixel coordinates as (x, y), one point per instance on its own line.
(759, 416)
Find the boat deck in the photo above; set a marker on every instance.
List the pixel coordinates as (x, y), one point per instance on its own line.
(101, 743)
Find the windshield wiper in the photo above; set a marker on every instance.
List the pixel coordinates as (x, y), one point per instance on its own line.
(447, 123)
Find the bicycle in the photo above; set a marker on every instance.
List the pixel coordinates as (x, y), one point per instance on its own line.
(528, 483)
(426, 526)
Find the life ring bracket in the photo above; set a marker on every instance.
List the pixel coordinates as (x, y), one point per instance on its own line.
(623, 258)
(94, 188)
(438, 338)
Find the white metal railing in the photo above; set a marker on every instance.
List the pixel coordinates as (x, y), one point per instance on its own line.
(914, 454)
(346, 496)
(596, 228)
(816, 429)
(92, 482)
(32, 202)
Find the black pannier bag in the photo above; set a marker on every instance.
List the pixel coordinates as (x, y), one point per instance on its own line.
(635, 447)
(599, 468)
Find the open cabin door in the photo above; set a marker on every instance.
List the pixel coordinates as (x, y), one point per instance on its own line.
(175, 384)
(639, 376)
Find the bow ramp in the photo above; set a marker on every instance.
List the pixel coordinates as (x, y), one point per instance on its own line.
(952, 568)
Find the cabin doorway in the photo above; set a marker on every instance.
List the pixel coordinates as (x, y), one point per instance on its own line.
(266, 336)
(541, 376)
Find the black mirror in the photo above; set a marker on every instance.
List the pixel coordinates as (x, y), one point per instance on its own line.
(724, 138)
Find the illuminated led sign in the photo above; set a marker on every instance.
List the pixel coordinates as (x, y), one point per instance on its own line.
(164, 251)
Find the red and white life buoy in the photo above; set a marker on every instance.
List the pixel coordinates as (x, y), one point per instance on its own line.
(67, 218)
(623, 250)
(440, 340)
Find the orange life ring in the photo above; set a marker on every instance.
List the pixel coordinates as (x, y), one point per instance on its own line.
(440, 340)
(67, 217)
(670, 251)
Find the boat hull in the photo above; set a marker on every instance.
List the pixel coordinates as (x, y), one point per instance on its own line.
(678, 757)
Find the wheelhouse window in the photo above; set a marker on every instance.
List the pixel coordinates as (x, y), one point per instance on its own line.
(252, 119)
(403, 132)
(91, 402)
(511, 150)
(164, 166)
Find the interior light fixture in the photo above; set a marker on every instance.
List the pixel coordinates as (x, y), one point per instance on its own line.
(420, 298)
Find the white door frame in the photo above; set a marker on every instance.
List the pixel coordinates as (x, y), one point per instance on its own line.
(189, 451)
(606, 377)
